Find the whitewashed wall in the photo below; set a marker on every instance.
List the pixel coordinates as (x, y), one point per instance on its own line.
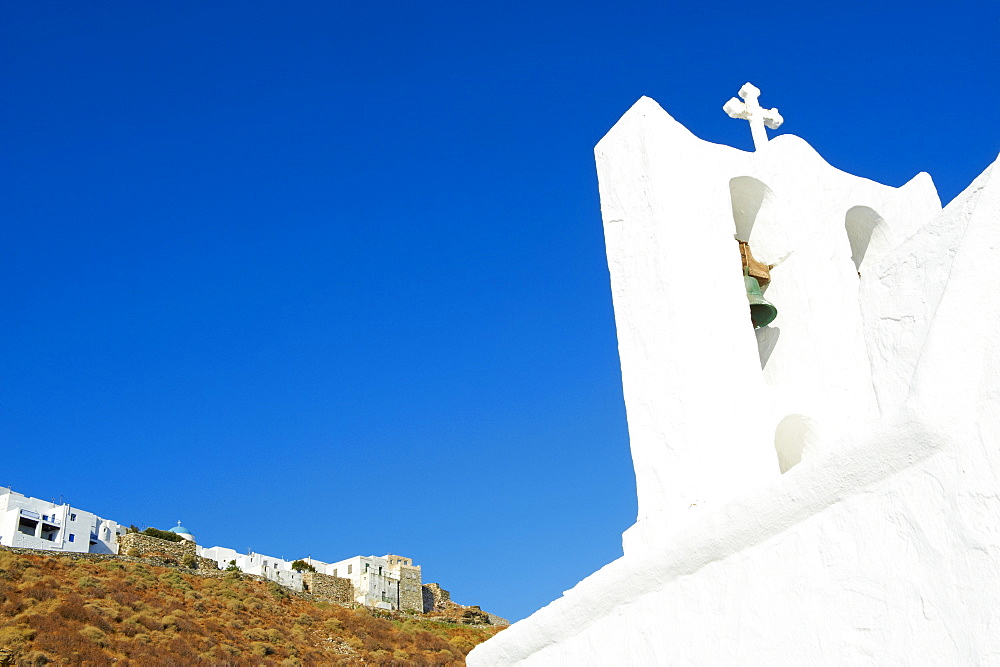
(880, 543)
(69, 528)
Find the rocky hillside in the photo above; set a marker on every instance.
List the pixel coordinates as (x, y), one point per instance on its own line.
(72, 611)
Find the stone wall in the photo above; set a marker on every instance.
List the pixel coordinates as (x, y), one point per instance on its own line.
(410, 588)
(165, 552)
(497, 620)
(435, 598)
(327, 587)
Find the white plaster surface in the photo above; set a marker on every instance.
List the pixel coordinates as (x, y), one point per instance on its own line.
(878, 396)
(56, 527)
(750, 110)
(270, 567)
(376, 579)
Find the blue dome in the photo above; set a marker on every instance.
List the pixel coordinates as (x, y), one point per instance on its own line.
(180, 530)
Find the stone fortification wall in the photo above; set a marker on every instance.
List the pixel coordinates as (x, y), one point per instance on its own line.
(435, 598)
(411, 594)
(145, 560)
(327, 587)
(164, 552)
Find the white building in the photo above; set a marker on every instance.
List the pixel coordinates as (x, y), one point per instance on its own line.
(276, 569)
(40, 524)
(824, 489)
(384, 582)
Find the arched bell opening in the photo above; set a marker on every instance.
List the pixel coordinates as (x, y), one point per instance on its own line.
(752, 201)
(868, 233)
(755, 217)
(795, 437)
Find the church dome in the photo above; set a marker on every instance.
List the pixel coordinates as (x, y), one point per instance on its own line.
(182, 531)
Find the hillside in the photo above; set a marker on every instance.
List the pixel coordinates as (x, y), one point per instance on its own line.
(71, 611)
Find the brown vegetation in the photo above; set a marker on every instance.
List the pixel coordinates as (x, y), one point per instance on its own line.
(55, 609)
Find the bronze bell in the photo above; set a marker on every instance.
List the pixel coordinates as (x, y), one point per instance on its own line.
(756, 275)
(762, 312)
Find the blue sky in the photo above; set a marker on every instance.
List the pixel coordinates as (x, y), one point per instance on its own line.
(327, 279)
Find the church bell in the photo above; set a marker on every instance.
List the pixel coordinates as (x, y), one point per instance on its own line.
(755, 275)
(762, 312)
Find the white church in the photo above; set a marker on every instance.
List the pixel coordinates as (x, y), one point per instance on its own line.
(811, 372)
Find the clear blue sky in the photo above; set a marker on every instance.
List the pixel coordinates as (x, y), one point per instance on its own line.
(328, 278)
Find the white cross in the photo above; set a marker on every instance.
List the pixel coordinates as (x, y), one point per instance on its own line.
(751, 110)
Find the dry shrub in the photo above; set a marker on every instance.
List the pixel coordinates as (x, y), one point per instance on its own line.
(57, 639)
(125, 595)
(36, 658)
(174, 580)
(109, 615)
(38, 592)
(227, 649)
(11, 607)
(94, 634)
(261, 649)
(15, 636)
(182, 651)
(380, 656)
(72, 609)
(148, 622)
(461, 645)
(130, 628)
(255, 634)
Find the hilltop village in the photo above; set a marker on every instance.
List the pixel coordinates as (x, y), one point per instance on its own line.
(388, 582)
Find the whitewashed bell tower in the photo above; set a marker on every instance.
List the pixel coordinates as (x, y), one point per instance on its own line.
(825, 488)
(714, 407)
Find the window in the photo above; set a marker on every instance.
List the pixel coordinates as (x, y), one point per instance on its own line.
(72, 537)
(335, 571)
(45, 517)
(72, 517)
(27, 526)
(349, 569)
